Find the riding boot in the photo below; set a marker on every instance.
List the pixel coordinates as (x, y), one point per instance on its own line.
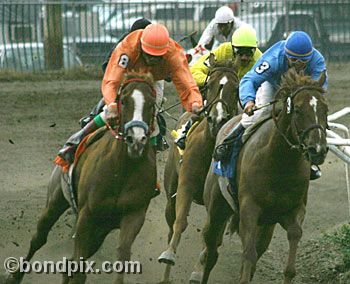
(223, 150)
(95, 111)
(315, 172)
(180, 141)
(68, 151)
(161, 143)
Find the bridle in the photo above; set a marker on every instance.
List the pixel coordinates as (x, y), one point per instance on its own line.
(120, 131)
(209, 105)
(300, 134)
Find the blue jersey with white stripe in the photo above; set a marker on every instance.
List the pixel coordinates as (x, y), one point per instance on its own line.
(271, 66)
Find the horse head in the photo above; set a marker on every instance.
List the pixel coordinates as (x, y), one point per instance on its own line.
(136, 111)
(221, 93)
(306, 109)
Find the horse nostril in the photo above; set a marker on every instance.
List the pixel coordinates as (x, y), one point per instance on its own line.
(144, 139)
(129, 139)
(312, 151)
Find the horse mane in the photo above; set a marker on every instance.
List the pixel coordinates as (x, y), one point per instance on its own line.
(293, 80)
(223, 63)
(147, 77)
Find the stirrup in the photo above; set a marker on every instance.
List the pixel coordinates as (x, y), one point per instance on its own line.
(181, 143)
(67, 154)
(222, 152)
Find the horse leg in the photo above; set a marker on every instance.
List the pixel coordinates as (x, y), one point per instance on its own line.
(184, 199)
(218, 214)
(55, 207)
(293, 226)
(263, 240)
(170, 219)
(248, 230)
(89, 236)
(130, 226)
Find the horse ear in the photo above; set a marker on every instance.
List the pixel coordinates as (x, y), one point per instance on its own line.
(322, 78)
(212, 59)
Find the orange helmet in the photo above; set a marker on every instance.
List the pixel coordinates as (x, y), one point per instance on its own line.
(155, 39)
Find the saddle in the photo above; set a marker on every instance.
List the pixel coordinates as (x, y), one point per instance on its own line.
(253, 128)
(89, 140)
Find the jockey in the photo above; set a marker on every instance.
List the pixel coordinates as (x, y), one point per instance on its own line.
(137, 25)
(243, 45)
(257, 87)
(149, 50)
(220, 29)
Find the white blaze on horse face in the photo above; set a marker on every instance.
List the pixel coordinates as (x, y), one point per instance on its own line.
(219, 107)
(313, 104)
(139, 102)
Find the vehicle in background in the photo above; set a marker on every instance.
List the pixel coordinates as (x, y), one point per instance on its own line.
(180, 17)
(335, 17)
(30, 57)
(275, 26)
(92, 50)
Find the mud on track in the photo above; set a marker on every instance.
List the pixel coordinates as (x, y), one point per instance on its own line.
(36, 119)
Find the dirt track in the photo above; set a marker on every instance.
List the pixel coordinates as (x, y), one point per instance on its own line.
(36, 118)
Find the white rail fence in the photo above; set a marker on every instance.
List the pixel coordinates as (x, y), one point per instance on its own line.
(340, 145)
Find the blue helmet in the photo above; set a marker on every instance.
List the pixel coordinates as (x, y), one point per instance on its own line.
(299, 45)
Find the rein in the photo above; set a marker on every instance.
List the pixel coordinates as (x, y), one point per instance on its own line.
(300, 146)
(207, 108)
(117, 132)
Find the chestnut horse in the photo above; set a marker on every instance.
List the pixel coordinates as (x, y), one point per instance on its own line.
(114, 181)
(273, 171)
(185, 175)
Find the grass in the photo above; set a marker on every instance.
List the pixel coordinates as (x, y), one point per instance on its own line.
(341, 238)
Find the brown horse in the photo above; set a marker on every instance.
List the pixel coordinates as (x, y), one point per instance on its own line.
(273, 172)
(185, 175)
(114, 181)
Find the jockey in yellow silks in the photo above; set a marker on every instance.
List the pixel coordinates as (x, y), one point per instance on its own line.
(243, 45)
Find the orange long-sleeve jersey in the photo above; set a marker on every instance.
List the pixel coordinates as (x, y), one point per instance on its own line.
(127, 57)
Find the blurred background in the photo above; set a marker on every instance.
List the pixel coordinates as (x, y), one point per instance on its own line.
(39, 35)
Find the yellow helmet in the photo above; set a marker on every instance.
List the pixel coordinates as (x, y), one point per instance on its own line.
(244, 36)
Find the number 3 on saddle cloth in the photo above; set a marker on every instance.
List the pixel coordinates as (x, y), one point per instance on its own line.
(227, 168)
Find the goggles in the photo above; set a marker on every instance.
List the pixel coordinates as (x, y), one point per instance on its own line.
(249, 51)
(297, 60)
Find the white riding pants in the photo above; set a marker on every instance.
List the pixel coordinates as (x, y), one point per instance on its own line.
(264, 95)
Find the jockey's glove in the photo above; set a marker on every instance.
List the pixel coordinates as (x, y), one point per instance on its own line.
(111, 113)
(196, 108)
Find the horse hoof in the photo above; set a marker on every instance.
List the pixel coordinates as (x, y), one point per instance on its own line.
(167, 258)
(196, 277)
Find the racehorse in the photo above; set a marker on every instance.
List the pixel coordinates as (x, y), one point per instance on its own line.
(273, 171)
(114, 180)
(184, 175)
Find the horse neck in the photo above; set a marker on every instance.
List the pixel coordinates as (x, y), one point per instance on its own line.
(206, 131)
(278, 144)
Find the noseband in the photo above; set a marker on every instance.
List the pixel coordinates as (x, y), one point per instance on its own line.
(121, 130)
(300, 134)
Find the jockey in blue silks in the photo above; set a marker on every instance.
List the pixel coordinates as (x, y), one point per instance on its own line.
(258, 86)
